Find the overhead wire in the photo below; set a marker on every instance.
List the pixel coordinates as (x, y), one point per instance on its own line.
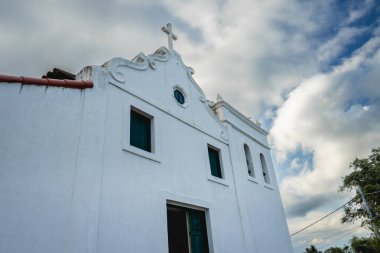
(341, 235)
(342, 232)
(308, 233)
(324, 217)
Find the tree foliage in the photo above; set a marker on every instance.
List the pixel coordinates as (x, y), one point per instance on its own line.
(366, 174)
(312, 249)
(335, 250)
(364, 245)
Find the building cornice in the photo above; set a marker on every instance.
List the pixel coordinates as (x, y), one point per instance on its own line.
(239, 115)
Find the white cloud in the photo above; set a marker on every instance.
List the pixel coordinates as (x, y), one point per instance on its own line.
(322, 115)
(246, 40)
(333, 47)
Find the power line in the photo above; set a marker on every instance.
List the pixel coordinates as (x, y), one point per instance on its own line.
(324, 217)
(341, 235)
(308, 233)
(330, 213)
(342, 232)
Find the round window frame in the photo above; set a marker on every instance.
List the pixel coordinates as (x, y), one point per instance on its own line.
(177, 87)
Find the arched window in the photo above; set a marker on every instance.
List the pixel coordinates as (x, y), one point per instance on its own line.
(248, 159)
(265, 169)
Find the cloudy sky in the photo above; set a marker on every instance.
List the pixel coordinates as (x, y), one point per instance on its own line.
(308, 70)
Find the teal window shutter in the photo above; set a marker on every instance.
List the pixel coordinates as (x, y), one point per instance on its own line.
(214, 158)
(140, 131)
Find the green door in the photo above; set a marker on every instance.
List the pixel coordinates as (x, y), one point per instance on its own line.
(197, 230)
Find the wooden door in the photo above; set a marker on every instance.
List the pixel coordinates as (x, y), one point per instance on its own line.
(197, 232)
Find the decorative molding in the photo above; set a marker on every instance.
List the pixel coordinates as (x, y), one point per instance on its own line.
(162, 52)
(219, 98)
(246, 134)
(202, 99)
(208, 105)
(190, 71)
(142, 62)
(209, 110)
(239, 115)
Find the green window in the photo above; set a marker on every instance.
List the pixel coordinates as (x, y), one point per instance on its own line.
(140, 131)
(214, 157)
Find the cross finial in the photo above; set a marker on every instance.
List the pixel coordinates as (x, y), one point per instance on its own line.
(171, 36)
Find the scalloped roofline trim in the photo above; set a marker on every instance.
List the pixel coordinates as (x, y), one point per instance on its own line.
(142, 62)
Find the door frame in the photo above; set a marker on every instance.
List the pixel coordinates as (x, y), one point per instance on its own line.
(190, 203)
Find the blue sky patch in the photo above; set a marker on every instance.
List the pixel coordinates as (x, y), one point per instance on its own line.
(296, 162)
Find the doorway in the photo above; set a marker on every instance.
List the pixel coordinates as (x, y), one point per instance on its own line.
(187, 232)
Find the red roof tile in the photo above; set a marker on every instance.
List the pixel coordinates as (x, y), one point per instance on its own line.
(74, 84)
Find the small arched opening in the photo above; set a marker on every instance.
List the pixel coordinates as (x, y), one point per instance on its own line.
(248, 159)
(265, 169)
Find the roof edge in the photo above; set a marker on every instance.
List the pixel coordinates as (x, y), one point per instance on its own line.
(64, 83)
(240, 116)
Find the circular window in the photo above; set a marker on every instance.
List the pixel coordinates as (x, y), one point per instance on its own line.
(179, 96)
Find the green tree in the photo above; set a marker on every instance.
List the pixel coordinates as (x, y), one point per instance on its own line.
(364, 245)
(334, 250)
(312, 249)
(347, 249)
(366, 174)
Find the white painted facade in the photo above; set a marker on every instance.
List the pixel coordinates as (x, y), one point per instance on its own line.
(71, 182)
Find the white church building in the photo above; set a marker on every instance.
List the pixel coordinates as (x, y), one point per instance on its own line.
(131, 157)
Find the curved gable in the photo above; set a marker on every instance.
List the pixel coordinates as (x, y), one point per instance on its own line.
(153, 79)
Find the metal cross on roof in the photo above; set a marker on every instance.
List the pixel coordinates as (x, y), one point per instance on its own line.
(171, 36)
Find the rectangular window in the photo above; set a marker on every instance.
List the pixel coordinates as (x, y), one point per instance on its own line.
(186, 230)
(214, 158)
(140, 131)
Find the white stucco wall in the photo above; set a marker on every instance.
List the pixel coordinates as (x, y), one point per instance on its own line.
(260, 203)
(49, 164)
(70, 181)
